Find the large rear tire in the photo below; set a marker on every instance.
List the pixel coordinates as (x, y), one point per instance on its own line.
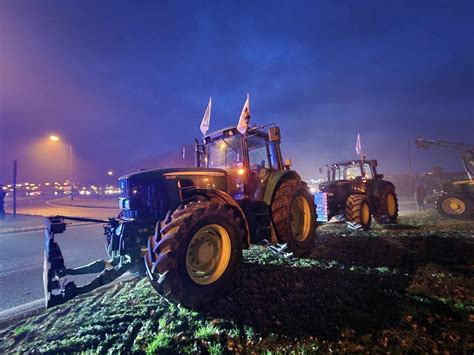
(358, 211)
(387, 206)
(454, 206)
(194, 253)
(294, 216)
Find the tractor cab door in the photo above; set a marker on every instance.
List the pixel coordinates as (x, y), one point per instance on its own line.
(259, 168)
(368, 176)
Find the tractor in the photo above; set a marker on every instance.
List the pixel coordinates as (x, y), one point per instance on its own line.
(354, 191)
(185, 228)
(456, 198)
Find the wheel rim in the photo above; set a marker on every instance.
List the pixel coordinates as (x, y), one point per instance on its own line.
(300, 218)
(391, 205)
(454, 205)
(208, 254)
(365, 213)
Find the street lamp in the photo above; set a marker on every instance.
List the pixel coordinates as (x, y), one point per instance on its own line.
(54, 138)
(110, 173)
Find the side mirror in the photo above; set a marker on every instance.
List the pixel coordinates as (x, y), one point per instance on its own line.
(274, 134)
(288, 164)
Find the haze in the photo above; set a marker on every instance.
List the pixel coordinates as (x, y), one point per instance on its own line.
(126, 83)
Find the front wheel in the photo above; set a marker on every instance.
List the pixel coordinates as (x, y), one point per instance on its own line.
(193, 256)
(454, 206)
(294, 217)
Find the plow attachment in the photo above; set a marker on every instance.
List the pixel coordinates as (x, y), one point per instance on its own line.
(57, 289)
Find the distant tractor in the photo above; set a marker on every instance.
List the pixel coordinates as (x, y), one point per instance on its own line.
(191, 224)
(456, 199)
(354, 191)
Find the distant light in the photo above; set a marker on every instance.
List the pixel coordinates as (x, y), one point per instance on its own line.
(110, 173)
(54, 138)
(241, 171)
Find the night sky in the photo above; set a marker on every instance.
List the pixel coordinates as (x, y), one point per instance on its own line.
(126, 82)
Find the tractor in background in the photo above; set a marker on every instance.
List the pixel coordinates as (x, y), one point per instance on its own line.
(189, 225)
(355, 192)
(456, 198)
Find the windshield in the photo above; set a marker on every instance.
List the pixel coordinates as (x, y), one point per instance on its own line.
(225, 152)
(347, 172)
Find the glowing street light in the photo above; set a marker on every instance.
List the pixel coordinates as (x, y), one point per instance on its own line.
(110, 173)
(55, 138)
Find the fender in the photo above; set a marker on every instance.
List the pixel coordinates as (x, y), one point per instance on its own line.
(274, 180)
(227, 199)
(380, 185)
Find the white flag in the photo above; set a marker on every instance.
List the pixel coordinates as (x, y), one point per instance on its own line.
(358, 145)
(207, 118)
(244, 119)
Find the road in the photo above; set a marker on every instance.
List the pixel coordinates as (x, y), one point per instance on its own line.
(21, 260)
(21, 253)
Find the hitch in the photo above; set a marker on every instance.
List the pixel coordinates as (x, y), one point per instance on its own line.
(57, 290)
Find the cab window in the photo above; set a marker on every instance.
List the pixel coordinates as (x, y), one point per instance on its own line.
(258, 154)
(368, 171)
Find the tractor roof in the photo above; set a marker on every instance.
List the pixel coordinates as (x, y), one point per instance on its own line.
(355, 161)
(231, 131)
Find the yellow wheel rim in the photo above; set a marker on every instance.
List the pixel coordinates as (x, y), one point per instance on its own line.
(365, 213)
(208, 254)
(454, 206)
(391, 205)
(300, 218)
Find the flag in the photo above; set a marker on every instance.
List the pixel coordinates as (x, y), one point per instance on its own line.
(207, 118)
(358, 145)
(244, 119)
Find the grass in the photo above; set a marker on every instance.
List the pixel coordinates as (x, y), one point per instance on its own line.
(21, 330)
(162, 341)
(351, 294)
(207, 332)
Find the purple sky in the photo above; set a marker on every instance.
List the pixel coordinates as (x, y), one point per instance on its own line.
(126, 82)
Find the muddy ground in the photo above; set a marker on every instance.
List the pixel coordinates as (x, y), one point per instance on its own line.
(405, 287)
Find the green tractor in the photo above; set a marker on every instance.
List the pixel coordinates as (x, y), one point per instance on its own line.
(456, 199)
(191, 224)
(355, 192)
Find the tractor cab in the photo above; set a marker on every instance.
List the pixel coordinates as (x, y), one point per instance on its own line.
(248, 159)
(351, 170)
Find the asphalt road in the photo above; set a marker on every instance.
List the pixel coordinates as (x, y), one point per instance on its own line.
(21, 260)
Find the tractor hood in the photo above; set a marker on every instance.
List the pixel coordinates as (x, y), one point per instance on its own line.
(335, 187)
(151, 193)
(154, 174)
(458, 186)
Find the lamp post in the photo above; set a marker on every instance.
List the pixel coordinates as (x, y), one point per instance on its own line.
(54, 138)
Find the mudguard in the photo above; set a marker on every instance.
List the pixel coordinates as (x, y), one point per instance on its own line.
(275, 178)
(379, 186)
